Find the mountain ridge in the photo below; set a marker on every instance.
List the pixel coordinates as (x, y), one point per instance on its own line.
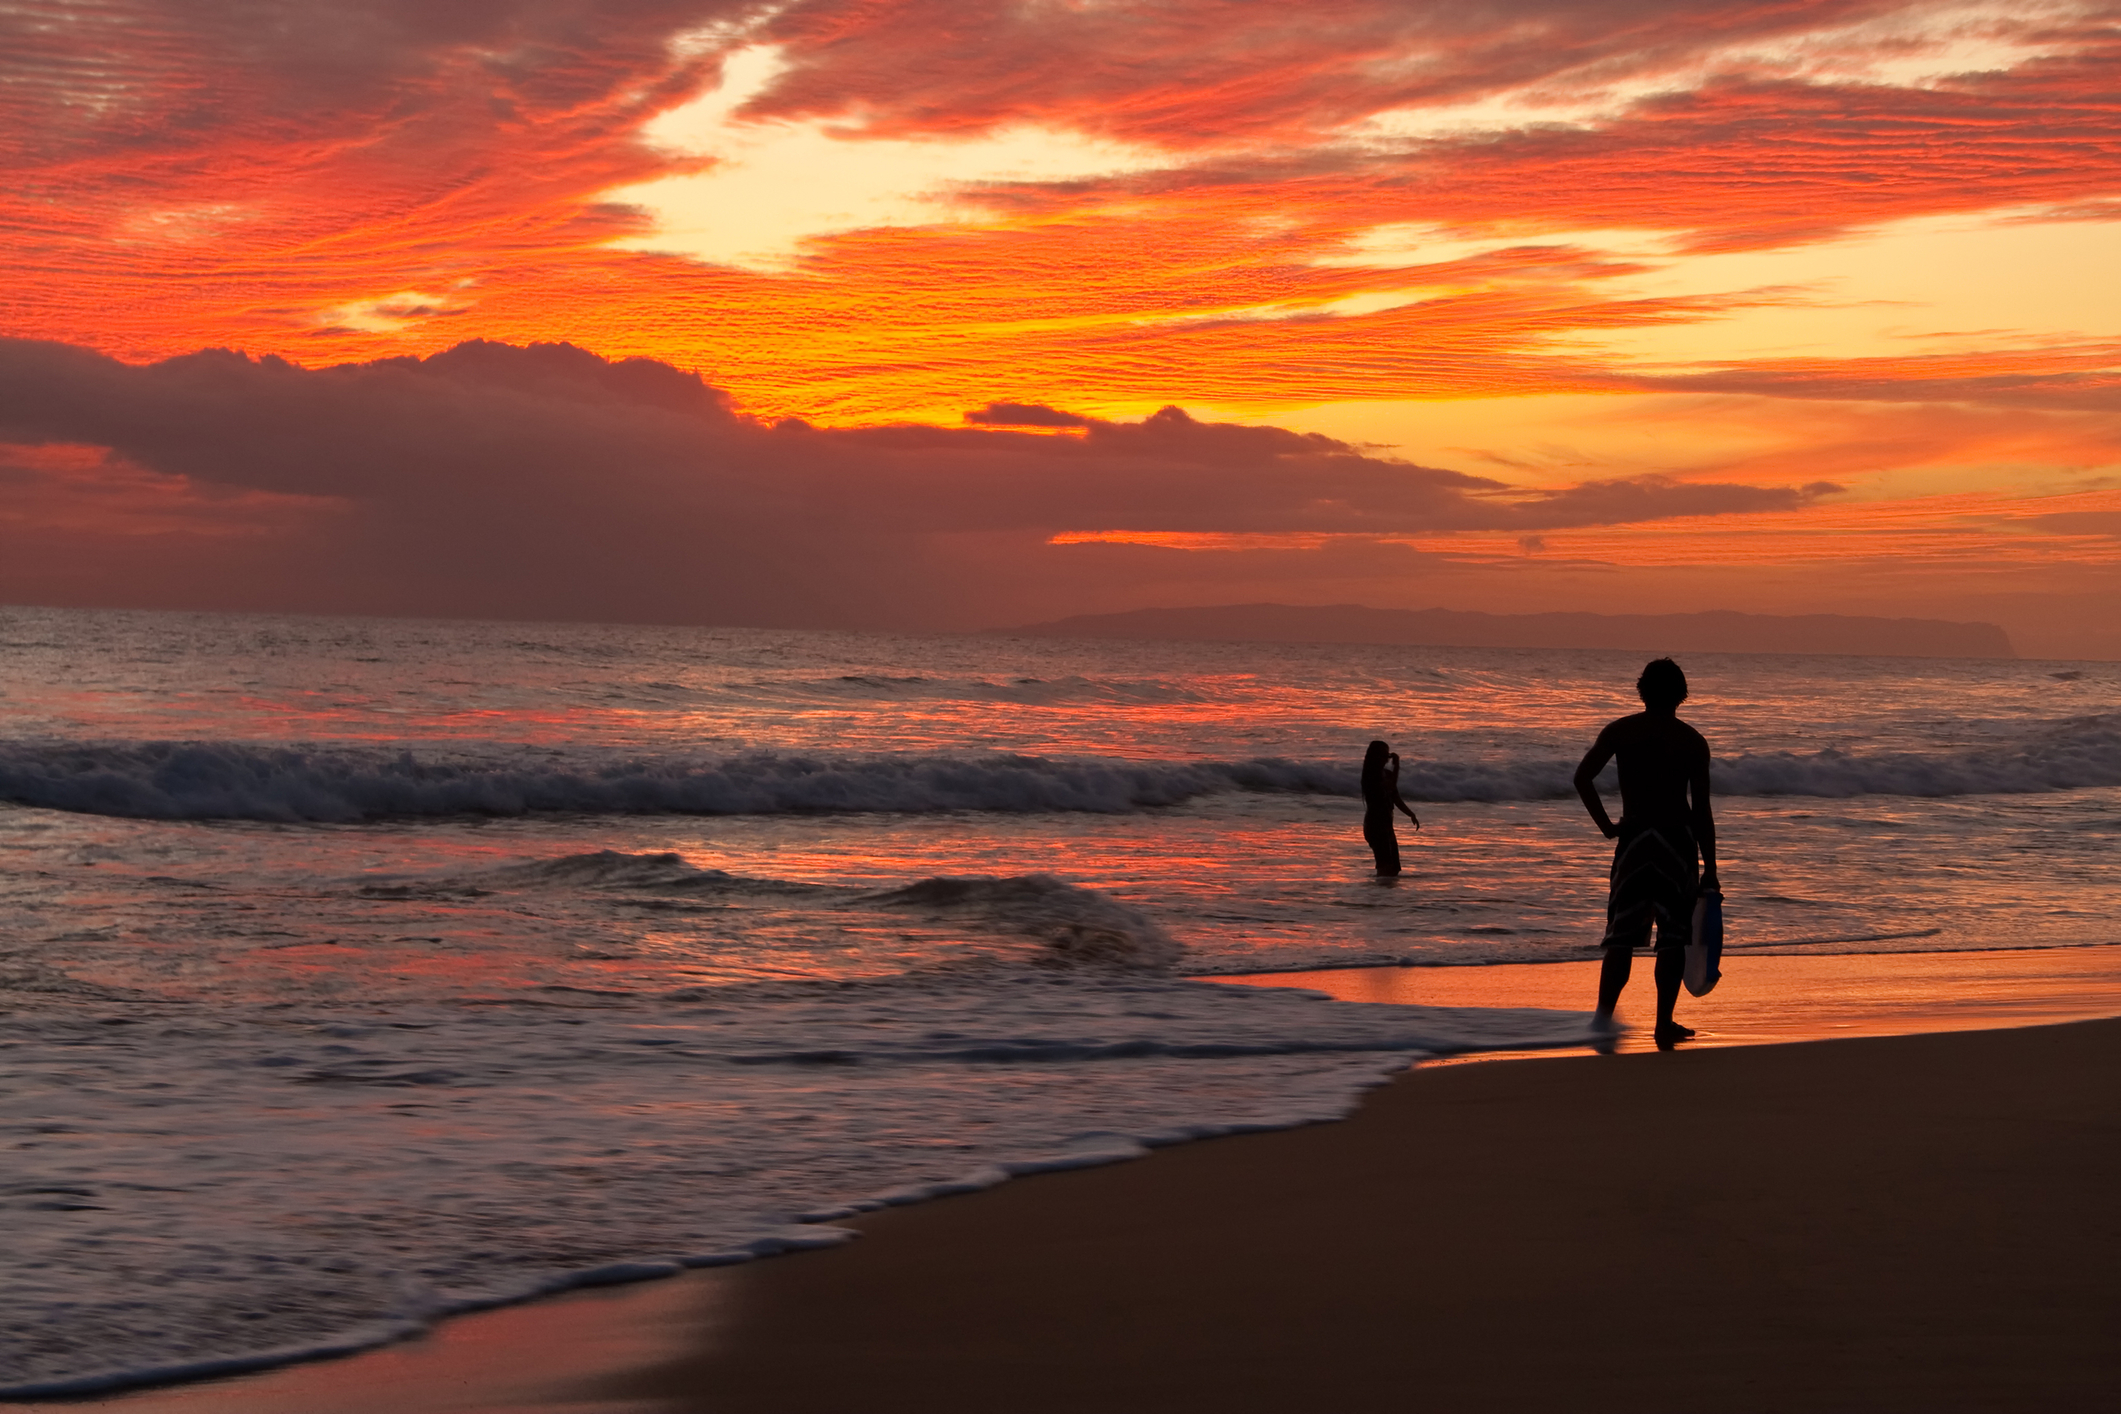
(1710, 631)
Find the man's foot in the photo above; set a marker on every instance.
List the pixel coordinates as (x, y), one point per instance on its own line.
(1603, 1023)
(1673, 1031)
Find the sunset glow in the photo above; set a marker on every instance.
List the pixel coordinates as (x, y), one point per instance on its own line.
(1791, 307)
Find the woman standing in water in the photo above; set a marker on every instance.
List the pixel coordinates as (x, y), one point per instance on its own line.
(1380, 797)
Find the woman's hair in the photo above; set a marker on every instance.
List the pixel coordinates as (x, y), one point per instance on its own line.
(1661, 684)
(1373, 765)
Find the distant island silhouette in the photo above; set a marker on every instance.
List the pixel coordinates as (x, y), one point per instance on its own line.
(1718, 631)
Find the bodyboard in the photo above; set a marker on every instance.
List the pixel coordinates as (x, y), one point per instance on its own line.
(1704, 950)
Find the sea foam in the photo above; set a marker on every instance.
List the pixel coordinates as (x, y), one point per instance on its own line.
(295, 1181)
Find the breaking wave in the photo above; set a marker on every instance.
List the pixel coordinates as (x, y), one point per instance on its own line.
(241, 781)
(1077, 927)
(1080, 927)
(614, 869)
(236, 781)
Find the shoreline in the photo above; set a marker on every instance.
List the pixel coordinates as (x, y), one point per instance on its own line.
(638, 1326)
(1769, 999)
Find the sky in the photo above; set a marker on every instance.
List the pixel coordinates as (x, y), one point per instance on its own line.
(955, 314)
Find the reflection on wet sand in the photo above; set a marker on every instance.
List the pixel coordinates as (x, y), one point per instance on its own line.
(1764, 1000)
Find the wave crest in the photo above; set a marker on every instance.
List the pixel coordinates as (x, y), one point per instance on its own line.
(611, 868)
(240, 781)
(1079, 927)
(243, 781)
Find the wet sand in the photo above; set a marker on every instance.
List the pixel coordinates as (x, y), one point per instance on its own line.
(1769, 998)
(544, 1357)
(1917, 1222)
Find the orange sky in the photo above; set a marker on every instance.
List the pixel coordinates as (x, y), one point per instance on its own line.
(1791, 305)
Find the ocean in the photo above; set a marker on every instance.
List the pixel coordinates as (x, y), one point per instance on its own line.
(355, 972)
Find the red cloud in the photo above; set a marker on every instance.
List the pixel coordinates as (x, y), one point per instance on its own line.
(1191, 72)
(1751, 163)
(179, 165)
(1734, 149)
(332, 181)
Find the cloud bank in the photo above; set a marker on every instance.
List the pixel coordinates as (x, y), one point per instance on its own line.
(545, 481)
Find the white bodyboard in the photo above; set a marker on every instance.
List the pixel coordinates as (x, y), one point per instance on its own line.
(1704, 952)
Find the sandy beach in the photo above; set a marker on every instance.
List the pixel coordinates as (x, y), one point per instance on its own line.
(1916, 1222)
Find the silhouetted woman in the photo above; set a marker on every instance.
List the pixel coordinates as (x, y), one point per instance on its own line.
(1380, 797)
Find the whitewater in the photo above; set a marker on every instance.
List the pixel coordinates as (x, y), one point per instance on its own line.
(354, 972)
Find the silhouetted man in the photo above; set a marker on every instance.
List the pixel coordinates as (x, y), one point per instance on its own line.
(1663, 762)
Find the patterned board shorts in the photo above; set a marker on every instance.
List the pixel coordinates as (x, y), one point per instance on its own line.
(1655, 877)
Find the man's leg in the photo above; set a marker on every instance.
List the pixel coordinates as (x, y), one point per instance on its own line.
(1671, 967)
(1613, 977)
(1674, 932)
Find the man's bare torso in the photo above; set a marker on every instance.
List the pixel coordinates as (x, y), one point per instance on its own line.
(1658, 756)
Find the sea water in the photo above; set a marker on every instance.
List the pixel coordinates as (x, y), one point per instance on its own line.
(357, 971)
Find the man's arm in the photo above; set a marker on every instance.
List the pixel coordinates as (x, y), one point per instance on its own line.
(1704, 817)
(1587, 782)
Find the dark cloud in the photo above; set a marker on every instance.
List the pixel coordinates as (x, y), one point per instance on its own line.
(1024, 415)
(2078, 523)
(166, 74)
(2070, 379)
(545, 481)
(1644, 498)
